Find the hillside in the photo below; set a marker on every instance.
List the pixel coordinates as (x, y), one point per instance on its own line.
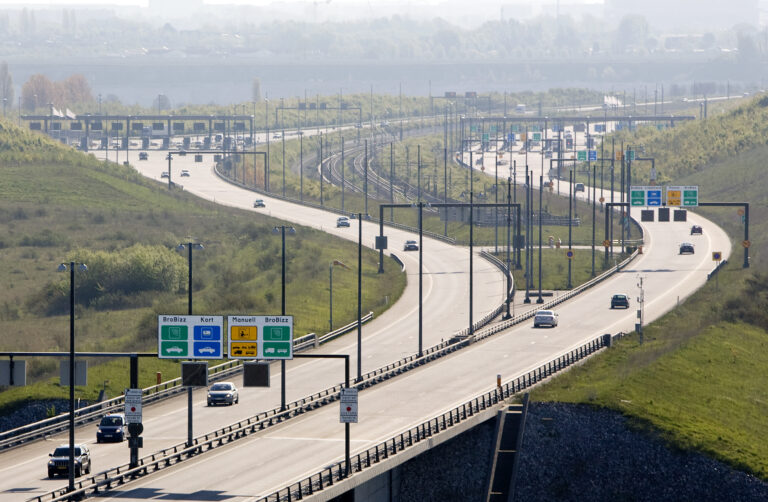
(59, 205)
(697, 380)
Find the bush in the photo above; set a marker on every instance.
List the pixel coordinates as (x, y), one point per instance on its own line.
(113, 277)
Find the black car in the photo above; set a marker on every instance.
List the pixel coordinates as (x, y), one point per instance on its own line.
(143, 156)
(619, 301)
(111, 428)
(411, 246)
(59, 462)
(696, 230)
(686, 248)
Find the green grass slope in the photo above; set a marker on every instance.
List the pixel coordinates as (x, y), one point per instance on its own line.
(698, 377)
(58, 205)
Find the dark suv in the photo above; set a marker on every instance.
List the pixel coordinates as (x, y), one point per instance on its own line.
(686, 248)
(696, 230)
(59, 462)
(619, 301)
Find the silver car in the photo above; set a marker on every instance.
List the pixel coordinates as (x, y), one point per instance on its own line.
(545, 318)
(223, 393)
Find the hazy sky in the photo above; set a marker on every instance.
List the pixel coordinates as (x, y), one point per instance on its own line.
(144, 3)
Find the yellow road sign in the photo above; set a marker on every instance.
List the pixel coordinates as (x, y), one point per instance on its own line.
(717, 256)
(674, 197)
(244, 349)
(740, 212)
(606, 243)
(745, 244)
(244, 332)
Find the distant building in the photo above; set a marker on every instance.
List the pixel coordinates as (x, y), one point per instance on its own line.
(686, 14)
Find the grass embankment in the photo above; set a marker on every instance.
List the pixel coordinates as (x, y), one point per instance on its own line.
(58, 205)
(697, 378)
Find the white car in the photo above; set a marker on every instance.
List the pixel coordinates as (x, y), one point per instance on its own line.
(185, 173)
(342, 221)
(545, 318)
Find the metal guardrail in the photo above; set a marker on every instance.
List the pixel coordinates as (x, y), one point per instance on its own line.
(170, 456)
(53, 425)
(460, 340)
(336, 472)
(312, 340)
(717, 269)
(59, 423)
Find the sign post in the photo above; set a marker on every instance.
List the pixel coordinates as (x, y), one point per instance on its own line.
(348, 405)
(133, 421)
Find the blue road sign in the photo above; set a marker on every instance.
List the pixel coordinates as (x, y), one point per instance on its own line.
(592, 155)
(653, 197)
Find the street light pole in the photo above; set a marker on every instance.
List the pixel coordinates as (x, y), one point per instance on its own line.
(281, 230)
(180, 247)
(71, 467)
(359, 296)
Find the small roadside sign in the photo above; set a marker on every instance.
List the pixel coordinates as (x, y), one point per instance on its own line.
(593, 155)
(132, 406)
(581, 155)
(348, 407)
(745, 243)
(569, 254)
(717, 256)
(606, 243)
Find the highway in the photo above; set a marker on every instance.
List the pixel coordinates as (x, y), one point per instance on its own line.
(387, 338)
(260, 465)
(263, 463)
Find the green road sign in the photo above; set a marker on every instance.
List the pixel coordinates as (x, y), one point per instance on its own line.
(171, 332)
(515, 128)
(277, 333)
(537, 136)
(535, 128)
(631, 155)
(581, 155)
(174, 349)
(492, 128)
(473, 128)
(690, 196)
(637, 197)
(485, 137)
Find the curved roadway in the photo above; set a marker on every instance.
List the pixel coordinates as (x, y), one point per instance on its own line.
(387, 338)
(303, 445)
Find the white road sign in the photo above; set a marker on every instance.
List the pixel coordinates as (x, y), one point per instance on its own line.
(132, 406)
(348, 409)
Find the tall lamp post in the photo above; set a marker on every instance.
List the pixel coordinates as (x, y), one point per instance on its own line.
(189, 246)
(330, 288)
(281, 230)
(63, 268)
